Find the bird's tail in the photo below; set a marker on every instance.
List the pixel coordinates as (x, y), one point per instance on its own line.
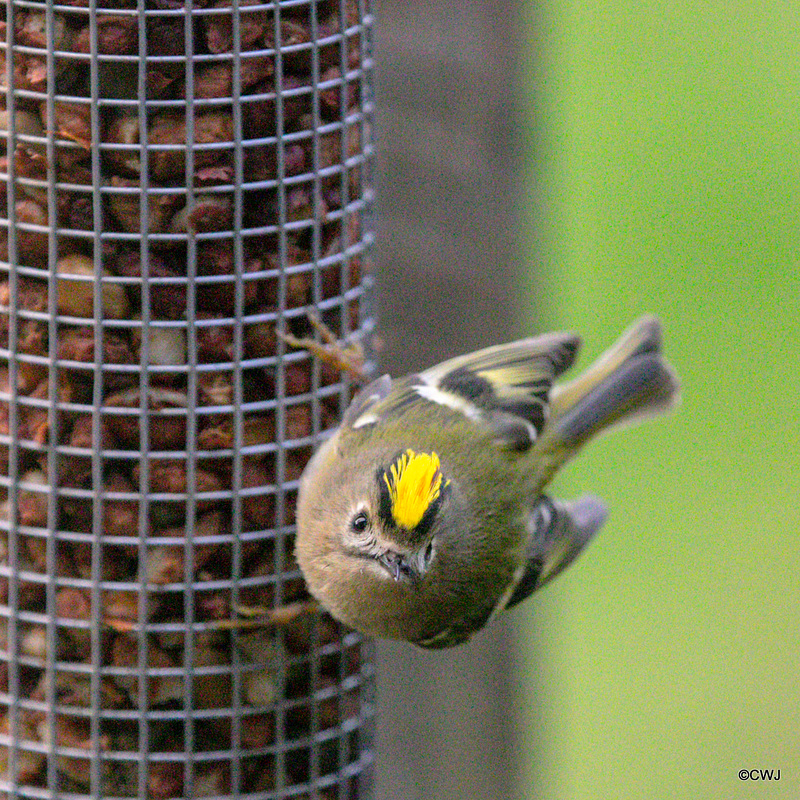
(629, 382)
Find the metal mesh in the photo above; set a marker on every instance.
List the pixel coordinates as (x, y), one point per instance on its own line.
(180, 182)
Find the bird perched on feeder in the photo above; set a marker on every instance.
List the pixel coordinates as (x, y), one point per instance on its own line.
(424, 514)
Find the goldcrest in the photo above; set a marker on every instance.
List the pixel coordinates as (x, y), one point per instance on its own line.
(423, 515)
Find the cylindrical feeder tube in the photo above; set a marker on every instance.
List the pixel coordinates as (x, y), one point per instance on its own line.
(181, 183)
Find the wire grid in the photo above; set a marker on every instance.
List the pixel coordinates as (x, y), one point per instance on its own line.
(181, 182)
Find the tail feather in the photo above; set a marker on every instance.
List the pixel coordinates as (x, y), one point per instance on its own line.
(629, 382)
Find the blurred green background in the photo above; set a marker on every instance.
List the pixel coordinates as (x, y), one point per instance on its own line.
(665, 154)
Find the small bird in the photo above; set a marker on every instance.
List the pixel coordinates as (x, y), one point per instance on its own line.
(423, 515)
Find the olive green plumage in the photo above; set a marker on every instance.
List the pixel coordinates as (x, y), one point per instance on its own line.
(424, 515)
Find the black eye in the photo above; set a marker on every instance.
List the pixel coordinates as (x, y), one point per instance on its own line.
(359, 522)
(428, 554)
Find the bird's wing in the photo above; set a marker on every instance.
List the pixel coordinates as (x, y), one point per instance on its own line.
(361, 409)
(558, 533)
(505, 387)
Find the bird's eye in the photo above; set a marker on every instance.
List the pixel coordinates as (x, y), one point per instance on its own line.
(359, 522)
(428, 554)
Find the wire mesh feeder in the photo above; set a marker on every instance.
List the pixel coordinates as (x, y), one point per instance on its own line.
(180, 181)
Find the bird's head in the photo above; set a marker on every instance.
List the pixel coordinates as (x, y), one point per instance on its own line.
(363, 528)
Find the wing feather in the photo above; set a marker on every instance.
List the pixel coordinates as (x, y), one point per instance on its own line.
(508, 384)
(505, 387)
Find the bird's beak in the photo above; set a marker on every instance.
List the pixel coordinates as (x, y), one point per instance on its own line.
(392, 562)
(396, 565)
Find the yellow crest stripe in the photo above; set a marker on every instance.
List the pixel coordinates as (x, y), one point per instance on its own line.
(414, 482)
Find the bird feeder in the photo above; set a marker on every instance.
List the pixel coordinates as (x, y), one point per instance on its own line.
(182, 184)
